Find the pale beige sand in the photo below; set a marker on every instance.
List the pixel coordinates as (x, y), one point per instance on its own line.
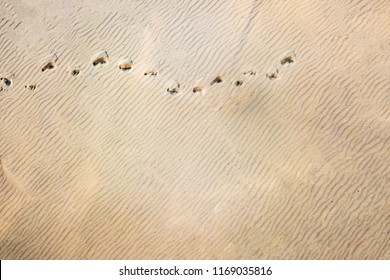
(288, 161)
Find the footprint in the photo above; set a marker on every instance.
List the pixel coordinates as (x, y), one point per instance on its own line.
(126, 65)
(198, 89)
(174, 90)
(151, 73)
(251, 73)
(74, 72)
(74, 69)
(50, 64)
(217, 80)
(239, 83)
(6, 81)
(273, 74)
(32, 86)
(100, 58)
(289, 58)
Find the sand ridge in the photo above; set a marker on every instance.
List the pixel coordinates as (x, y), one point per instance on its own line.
(194, 129)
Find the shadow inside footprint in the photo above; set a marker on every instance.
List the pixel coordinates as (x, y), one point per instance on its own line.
(75, 72)
(251, 73)
(151, 73)
(100, 58)
(6, 81)
(217, 80)
(273, 75)
(200, 89)
(48, 66)
(287, 60)
(239, 83)
(126, 65)
(31, 87)
(174, 90)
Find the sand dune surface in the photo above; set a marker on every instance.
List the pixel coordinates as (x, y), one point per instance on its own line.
(195, 129)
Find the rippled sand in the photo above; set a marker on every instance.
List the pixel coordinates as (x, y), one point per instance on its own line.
(195, 129)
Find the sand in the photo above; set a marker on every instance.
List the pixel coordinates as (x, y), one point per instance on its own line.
(195, 129)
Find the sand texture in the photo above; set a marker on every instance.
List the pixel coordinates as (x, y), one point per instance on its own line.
(195, 129)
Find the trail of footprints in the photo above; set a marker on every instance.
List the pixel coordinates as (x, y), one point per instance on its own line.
(288, 58)
(126, 65)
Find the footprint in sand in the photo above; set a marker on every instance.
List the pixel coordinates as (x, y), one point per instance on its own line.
(126, 65)
(239, 83)
(75, 72)
(288, 58)
(250, 73)
(6, 82)
(217, 80)
(74, 69)
(50, 63)
(174, 90)
(32, 86)
(48, 66)
(100, 58)
(273, 73)
(151, 73)
(199, 89)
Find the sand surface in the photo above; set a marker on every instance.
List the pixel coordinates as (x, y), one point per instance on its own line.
(195, 129)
